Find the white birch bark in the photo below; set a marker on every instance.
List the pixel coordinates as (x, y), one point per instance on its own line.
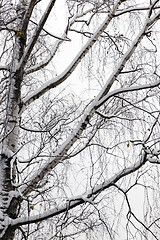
(9, 204)
(9, 197)
(88, 114)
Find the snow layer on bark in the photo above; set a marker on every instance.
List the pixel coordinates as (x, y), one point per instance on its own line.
(88, 196)
(63, 76)
(91, 109)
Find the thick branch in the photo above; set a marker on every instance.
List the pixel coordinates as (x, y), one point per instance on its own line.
(67, 72)
(62, 151)
(28, 15)
(36, 35)
(56, 45)
(87, 197)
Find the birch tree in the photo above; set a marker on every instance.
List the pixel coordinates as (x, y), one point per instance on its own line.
(79, 123)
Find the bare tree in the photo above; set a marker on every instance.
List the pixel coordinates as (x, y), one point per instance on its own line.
(79, 123)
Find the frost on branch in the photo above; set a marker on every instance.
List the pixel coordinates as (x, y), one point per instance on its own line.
(68, 130)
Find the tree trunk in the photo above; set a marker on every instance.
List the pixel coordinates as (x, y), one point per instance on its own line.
(8, 195)
(8, 150)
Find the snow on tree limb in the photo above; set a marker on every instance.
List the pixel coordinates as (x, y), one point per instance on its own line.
(80, 199)
(103, 138)
(56, 45)
(127, 89)
(47, 59)
(67, 72)
(36, 35)
(28, 15)
(62, 151)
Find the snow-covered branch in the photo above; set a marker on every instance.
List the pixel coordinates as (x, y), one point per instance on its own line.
(59, 41)
(38, 30)
(127, 89)
(108, 142)
(61, 152)
(88, 196)
(67, 72)
(48, 58)
(28, 15)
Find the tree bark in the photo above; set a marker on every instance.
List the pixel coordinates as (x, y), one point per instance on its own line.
(8, 196)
